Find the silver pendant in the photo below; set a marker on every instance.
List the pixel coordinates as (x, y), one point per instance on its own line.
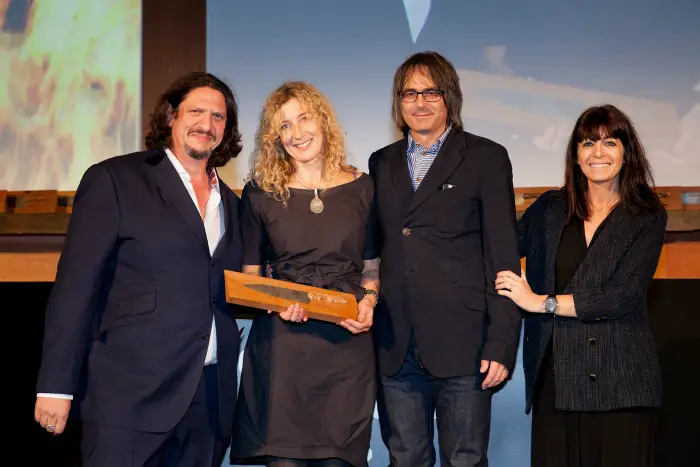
(316, 204)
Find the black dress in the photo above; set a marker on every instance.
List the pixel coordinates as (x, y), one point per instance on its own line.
(615, 438)
(307, 390)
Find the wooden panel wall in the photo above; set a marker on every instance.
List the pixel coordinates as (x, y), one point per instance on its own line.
(174, 42)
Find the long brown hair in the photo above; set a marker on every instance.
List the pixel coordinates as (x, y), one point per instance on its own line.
(636, 181)
(271, 167)
(160, 134)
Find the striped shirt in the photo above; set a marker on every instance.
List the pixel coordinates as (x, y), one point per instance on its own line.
(420, 158)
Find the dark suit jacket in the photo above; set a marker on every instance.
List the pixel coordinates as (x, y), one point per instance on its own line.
(441, 249)
(604, 359)
(134, 297)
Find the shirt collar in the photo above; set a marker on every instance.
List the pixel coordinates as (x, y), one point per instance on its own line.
(434, 148)
(213, 176)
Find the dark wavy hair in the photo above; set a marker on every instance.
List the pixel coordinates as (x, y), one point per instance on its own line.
(442, 73)
(160, 133)
(636, 181)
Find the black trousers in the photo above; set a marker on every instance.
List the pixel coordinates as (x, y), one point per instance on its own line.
(194, 442)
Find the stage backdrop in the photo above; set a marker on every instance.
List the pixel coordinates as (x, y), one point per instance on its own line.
(527, 71)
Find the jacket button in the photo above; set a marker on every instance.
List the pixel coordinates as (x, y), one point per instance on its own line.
(406, 231)
(592, 377)
(213, 299)
(205, 337)
(591, 341)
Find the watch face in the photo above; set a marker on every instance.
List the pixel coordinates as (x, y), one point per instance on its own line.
(550, 305)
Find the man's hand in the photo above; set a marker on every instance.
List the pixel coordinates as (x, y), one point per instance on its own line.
(52, 413)
(365, 317)
(497, 373)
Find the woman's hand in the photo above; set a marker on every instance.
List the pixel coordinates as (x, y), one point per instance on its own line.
(295, 313)
(365, 317)
(517, 289)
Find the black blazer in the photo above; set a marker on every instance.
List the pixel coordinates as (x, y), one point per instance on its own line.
(605, 358)
(441, 249)
(135, 292)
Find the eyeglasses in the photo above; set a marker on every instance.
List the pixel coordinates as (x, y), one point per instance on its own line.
(429, 95)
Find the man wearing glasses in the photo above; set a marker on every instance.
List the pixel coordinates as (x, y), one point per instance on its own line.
(444, 337)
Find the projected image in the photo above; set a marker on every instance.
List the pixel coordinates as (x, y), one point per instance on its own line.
(70, 87)
(527, 72)
(533, 117)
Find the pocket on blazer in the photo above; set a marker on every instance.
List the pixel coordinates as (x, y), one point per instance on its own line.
(473, 299)
(130, 310)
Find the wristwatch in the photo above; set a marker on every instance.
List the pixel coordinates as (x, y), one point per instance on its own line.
(371, 292)
(550, 304)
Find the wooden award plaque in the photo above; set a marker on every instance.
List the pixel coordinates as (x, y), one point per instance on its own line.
(276, 295)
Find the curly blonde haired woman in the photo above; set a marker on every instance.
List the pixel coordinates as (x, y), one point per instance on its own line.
(308, 387)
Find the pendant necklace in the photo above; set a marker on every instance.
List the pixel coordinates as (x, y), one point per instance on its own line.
(316, 205)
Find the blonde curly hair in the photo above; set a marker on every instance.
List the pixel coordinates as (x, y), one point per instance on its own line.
(272, 167)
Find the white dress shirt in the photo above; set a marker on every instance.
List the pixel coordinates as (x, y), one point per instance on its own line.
(214, 227)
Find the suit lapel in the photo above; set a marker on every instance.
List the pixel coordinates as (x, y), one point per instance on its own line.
(553, 228)
(445, 163)
(228, 221)
(170, 184)
(401, 178)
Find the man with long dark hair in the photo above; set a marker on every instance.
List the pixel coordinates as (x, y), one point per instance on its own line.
(138, 332)
(444, 338)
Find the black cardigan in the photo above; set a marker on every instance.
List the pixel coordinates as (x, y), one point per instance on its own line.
(605, 358)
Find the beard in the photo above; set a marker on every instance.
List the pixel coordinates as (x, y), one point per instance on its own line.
(198, 154)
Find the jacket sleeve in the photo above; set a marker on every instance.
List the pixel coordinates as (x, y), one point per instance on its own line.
(500, 249)
(90, 246)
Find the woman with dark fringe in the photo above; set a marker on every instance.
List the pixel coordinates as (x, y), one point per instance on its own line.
(591, 369)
